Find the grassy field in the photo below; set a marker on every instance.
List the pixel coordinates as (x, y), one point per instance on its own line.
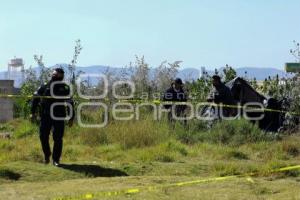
(142, 153)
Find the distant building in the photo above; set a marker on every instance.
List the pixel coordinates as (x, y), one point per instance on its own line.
(203, 73)
(15, 71)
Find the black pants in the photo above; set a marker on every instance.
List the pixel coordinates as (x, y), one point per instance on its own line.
(57, 127)
(179, 112)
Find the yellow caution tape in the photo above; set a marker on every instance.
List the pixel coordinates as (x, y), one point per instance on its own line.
(24, 96)
(158, 102)
(179, 184)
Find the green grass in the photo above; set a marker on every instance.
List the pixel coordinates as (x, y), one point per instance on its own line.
(137, 153)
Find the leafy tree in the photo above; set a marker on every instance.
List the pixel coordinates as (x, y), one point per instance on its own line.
(229, 73)
(200, 88)
(31, 82)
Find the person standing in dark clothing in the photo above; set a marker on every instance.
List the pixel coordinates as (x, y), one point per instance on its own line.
(222, 95)
(175, 94)
(271, 120)
(53, 112)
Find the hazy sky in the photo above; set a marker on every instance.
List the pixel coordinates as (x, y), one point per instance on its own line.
(201, 33)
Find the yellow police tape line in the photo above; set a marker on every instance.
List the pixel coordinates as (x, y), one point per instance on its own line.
(216, 105)
(178, 184)
(158, 102)
(23, 96)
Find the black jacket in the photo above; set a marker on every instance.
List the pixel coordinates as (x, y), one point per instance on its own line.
(172, 95)
(175, 96)
(222, 94)
(42, 99)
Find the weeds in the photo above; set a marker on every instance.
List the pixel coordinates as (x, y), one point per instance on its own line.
(236, 133)
(25, 129)
(154, 147)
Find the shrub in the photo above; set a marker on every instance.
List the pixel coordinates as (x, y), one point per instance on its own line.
(192, 133)
(6, 127)
(25, 129)
(236, 132)
(6, 145)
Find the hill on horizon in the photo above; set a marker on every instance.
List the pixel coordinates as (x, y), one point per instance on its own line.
(184, 73)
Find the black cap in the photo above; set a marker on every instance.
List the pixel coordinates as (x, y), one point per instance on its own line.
(59, 70)
(216, 77)
(178, 81)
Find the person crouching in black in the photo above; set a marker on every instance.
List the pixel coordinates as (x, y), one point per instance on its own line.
(175, 94)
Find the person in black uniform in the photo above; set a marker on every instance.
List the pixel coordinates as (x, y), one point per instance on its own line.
(43, 100)
(175, 94)
(222, 95)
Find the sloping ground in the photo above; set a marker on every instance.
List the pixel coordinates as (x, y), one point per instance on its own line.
(29, 180)
(91, 166)
(261, 188)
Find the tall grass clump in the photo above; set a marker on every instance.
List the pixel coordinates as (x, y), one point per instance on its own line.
(236, 132)
(93, 137)
(191, 133)
(142, 133)
(24, 129)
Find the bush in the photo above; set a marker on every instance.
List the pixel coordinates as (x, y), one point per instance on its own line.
(6, 127)
(192, 133)
(236, 132)
(24, 129)
(6, 145)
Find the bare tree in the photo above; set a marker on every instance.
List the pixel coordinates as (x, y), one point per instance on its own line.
(72, 66)
(296, 51)
(44, 71)
(140, 77)
(164, 74)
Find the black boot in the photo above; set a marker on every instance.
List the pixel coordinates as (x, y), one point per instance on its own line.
(47, 160)
(56, 163)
